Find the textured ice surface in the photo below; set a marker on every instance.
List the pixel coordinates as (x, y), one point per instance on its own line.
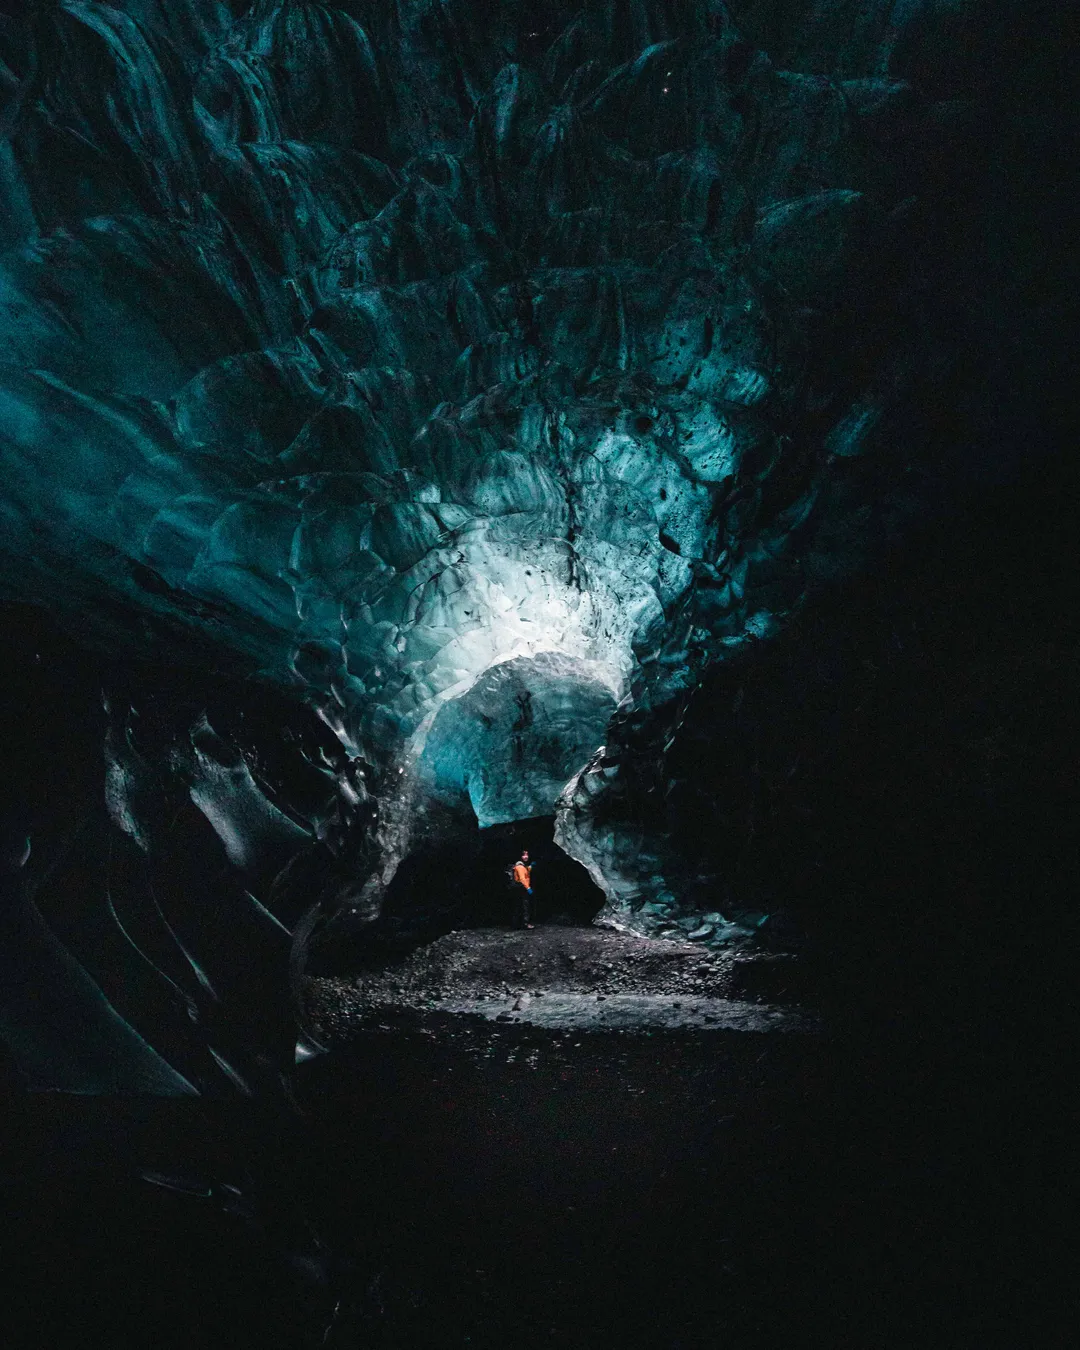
(247, 824)
(514, 739)
(407, 397)
(62, 1031)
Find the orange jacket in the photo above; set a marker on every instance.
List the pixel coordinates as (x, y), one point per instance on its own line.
(523, 874)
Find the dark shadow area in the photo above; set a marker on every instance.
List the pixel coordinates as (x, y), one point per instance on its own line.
(461, 883)
(898, 768)
(130, 1222)
(563, 892)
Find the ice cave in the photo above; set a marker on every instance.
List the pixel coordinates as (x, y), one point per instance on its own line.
(623, 434)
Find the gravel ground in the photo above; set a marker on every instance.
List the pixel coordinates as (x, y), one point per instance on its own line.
(561, 978)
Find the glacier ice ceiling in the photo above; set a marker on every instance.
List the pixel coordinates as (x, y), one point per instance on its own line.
(465, 383)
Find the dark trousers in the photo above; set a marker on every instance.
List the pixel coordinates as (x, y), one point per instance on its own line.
(525, 902)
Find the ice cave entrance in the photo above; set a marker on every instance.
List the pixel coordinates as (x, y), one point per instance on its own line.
(492, 766)
(459, 882)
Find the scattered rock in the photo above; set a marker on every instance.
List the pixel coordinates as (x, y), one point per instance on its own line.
(627, 981)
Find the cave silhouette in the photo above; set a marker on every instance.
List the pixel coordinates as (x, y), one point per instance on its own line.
(461, 883)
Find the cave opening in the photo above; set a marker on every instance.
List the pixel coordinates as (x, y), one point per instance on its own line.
(471, 875)
(458, 883)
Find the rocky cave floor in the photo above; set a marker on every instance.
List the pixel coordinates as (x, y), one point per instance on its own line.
(478, 1179)
(563, 979)
(584, 1138)
(503, 1165)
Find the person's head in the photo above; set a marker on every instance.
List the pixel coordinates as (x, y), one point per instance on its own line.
(524, 855)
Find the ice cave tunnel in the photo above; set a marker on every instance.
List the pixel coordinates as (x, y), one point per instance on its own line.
(621, 430)
(418, 422)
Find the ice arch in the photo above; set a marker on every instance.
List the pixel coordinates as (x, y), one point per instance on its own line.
(514, 739)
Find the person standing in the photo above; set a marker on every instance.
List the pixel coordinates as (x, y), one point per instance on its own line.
(522, 874)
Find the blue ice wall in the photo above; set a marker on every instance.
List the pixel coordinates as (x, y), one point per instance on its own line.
(383, 344)
(384, 352)
(511, 743)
